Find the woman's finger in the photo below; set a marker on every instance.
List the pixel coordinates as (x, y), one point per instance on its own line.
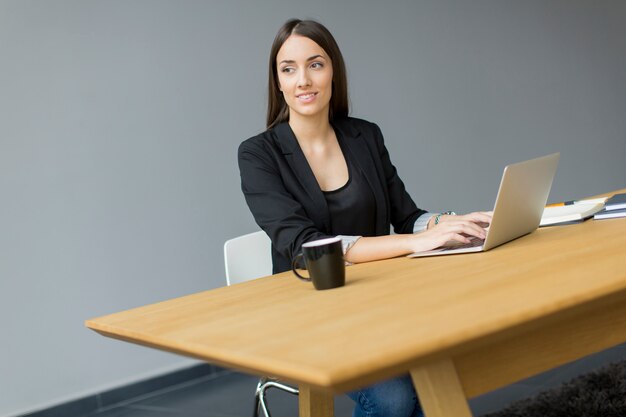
(462, 228)
(479, 217)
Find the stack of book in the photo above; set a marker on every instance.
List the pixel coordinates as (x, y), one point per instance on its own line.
(613, 207)
(571, 211)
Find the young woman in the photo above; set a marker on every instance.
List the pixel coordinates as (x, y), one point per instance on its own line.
(316, 173)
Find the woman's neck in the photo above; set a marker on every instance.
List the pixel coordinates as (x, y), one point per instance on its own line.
(310, 131)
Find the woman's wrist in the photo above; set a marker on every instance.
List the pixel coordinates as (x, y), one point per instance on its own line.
(438, 218)
(383, 247)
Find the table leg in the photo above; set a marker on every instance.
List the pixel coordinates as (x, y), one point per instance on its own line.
(315, 403)
(439, 390)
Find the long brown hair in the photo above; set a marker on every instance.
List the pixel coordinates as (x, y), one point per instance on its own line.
(277, 109)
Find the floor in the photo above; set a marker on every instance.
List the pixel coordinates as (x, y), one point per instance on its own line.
(227, 394)
(230, 394)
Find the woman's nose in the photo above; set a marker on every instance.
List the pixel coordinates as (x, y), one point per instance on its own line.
(304, 80)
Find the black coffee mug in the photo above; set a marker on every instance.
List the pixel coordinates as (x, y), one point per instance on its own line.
(324, 261)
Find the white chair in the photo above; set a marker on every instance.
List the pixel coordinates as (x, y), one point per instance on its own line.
(248, 257)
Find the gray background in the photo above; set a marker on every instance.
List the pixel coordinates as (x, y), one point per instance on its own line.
(120, 120)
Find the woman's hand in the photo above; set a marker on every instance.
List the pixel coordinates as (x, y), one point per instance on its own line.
(451, 229)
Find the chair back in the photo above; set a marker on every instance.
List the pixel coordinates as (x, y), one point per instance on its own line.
(248, 257)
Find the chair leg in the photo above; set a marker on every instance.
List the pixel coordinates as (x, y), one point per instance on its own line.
(257, 397)
(283, 387)
(260, 403)
(263, 402)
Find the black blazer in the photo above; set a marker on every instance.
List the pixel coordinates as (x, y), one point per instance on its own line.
(287, 202)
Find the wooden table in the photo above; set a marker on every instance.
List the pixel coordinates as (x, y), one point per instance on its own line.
(461, 325)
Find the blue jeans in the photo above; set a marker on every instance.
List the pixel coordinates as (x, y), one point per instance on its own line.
(392, 398)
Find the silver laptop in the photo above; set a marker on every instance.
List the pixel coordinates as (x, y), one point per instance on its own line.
(519, 205)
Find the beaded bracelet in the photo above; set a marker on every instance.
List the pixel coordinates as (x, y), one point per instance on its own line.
(438, 216)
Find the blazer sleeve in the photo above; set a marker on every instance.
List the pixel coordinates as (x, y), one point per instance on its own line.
(274, 208)
(403, 211)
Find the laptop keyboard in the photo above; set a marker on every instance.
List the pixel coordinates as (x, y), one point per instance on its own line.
(474, 242)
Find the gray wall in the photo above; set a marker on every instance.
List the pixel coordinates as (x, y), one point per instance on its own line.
(119, 123)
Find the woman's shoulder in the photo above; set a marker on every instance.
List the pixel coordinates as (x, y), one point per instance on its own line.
(259, 142)
(356, 122)
(258, 139)
(270, 144)
(355, 127)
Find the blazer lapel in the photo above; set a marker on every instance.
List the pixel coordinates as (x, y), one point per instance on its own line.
(300, 166)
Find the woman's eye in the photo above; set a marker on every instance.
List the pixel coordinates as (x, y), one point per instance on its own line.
(287, 70)
(317, 65)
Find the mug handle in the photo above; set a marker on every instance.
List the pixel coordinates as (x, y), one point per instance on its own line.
(293, 268)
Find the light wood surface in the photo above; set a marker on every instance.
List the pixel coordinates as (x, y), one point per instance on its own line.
(547, 298)
(439, 390)
(314, 402)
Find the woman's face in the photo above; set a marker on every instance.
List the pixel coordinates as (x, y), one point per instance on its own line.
(305, 76)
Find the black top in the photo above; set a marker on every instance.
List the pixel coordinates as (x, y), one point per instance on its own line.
(287, 202)
(352, 207)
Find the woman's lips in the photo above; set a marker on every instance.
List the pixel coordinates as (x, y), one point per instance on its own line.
(307, 97)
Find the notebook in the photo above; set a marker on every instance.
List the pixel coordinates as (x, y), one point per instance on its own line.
(521, 198)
